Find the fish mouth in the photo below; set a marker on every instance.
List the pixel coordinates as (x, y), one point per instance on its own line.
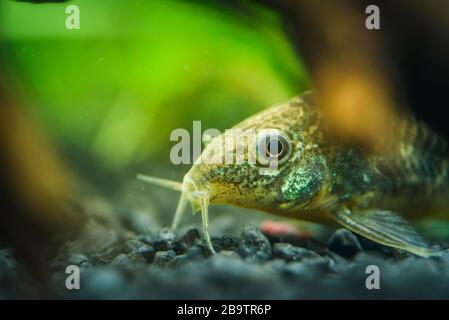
(190, 193)
(199, 200)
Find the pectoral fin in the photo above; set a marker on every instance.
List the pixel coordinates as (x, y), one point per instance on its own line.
(385, 227)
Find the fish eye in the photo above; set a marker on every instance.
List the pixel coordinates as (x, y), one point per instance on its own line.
(272, 145)
(275, 148)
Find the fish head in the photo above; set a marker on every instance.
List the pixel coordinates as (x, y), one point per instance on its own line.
(270, 161)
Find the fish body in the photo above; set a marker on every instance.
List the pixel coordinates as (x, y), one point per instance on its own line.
(320, 179)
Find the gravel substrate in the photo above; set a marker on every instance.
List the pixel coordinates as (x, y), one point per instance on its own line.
(249, 266)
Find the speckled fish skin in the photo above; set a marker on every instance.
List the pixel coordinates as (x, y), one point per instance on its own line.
(322, 176)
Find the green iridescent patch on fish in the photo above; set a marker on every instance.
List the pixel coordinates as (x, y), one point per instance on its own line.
(301, 183)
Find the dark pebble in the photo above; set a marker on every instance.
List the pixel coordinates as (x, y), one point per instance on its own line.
(194, 254)
(164, 240)
(123, 261)
(137, 258)
(148, 253)
(146, 238)
(179, 247)
(288, 252)
(254, 245)
(190, 237)
(166, 234)
(162, 257)
(132, 245)
(226, 242)
(162, 245)
(138, 251)
(375, 247)
(177, 261)
(344, 243)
